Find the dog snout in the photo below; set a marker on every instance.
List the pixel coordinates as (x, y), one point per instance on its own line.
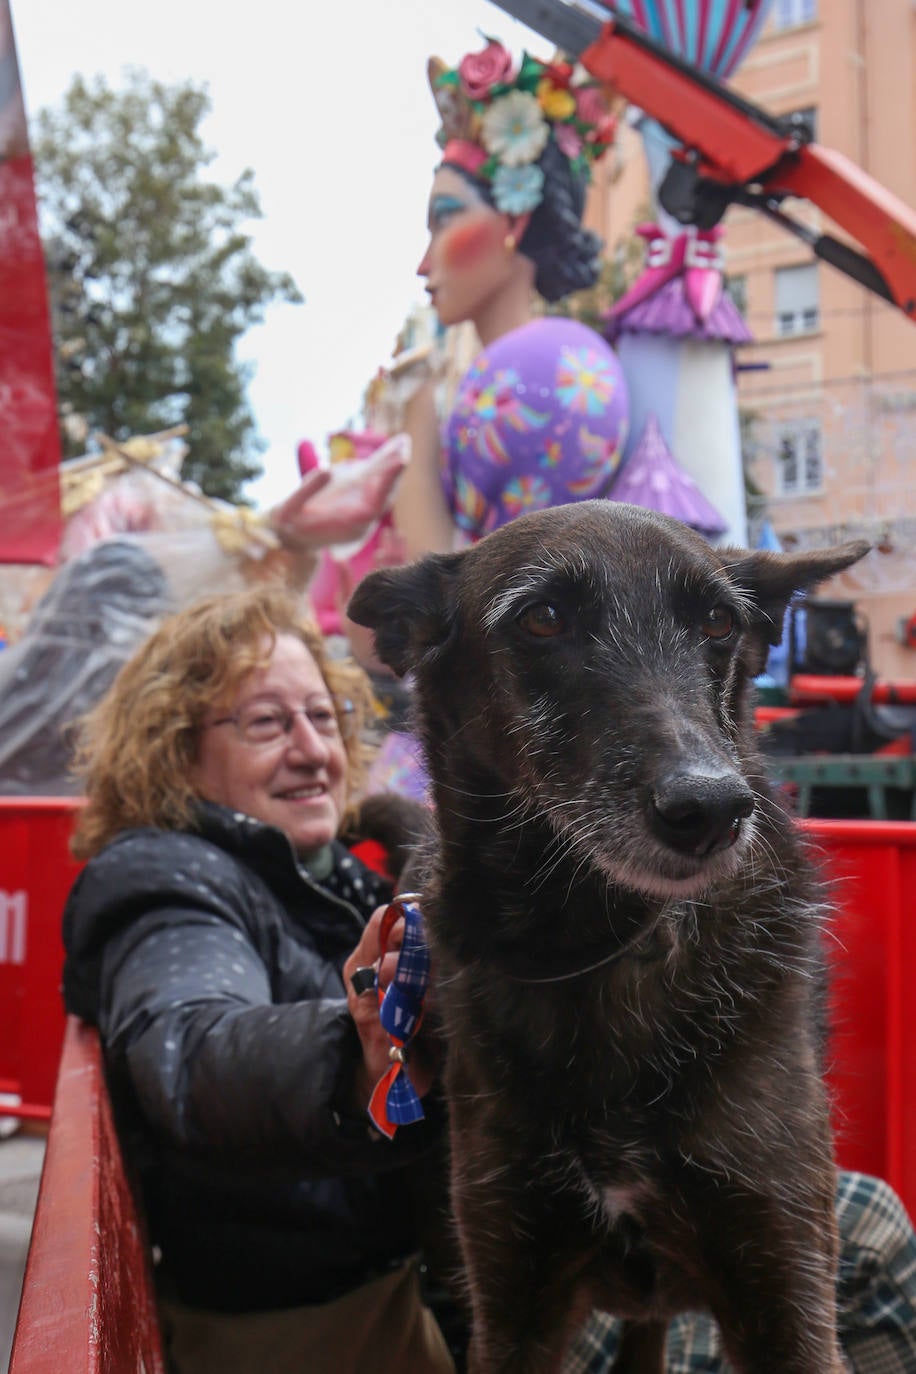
(700, 813)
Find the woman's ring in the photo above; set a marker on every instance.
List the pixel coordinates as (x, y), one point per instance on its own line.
(362, 980)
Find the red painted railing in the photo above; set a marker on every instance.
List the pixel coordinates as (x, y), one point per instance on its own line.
(87, 1297)
(872, 1075)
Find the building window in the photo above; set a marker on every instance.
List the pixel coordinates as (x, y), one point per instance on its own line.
(800, 459)
(789, 14)
(797, 300)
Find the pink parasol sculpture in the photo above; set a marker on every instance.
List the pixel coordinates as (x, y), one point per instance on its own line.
(680, 293)
(653, 479)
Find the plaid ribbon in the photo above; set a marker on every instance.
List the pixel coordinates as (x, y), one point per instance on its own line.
(876, 1297)
(394, 1100)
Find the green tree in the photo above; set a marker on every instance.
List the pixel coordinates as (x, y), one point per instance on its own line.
(152, 278)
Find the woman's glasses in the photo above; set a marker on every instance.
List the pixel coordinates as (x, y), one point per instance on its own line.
(266, 722)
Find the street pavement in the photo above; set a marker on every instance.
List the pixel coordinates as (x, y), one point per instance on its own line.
(21, 1157)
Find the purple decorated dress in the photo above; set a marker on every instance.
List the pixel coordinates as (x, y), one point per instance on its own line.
(540, 419)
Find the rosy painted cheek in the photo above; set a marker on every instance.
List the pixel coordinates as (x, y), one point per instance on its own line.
(466, 243)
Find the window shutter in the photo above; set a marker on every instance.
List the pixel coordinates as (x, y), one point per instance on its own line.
(796, 289)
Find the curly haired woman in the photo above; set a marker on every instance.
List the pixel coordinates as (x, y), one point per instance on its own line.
(212, 938)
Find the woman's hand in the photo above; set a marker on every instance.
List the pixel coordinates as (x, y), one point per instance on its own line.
(364, 1009)
(334, 507)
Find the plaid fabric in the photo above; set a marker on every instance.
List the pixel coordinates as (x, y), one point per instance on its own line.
(412, 976)
(876, 1297)
(394, 1101)
(877, 1286)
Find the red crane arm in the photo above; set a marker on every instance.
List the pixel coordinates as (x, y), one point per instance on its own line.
(735, 152)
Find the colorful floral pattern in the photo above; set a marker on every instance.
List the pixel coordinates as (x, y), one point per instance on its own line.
(398, 767)
(469, 505)
(522, 494)
(539, 419)
(586, 380)
(494, 406)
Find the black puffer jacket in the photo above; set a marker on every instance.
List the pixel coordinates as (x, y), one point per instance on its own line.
(211, 964)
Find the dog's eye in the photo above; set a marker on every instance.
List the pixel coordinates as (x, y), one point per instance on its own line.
(542, 620)
(718, 623)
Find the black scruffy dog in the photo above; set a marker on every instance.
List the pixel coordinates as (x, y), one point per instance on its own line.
(627, 939)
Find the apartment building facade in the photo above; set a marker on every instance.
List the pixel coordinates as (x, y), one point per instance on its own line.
(828, 389)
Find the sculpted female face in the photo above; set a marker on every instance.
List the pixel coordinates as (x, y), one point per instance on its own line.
(295, 778)
(466, 263)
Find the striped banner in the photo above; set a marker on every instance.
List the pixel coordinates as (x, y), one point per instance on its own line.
(712, 34)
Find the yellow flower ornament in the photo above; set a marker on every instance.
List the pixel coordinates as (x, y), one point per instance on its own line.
(557, 102)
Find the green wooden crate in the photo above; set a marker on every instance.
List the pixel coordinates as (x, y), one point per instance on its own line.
(872, 772)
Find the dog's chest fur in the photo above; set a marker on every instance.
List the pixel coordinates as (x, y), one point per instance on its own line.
(633, 1027)
(596, 1088)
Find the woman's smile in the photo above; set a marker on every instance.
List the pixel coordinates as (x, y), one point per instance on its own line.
(296, 781)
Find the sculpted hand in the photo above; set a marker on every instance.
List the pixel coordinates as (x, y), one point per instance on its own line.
(337, 507)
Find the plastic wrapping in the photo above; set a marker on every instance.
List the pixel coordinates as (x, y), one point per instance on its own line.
(101, 605)
(137, 546)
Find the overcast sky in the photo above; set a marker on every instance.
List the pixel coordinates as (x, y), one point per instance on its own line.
(327, 102)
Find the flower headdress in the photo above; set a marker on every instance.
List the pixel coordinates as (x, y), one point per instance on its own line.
(496, 121)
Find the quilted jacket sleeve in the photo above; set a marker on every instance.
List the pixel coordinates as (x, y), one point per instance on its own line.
(186, 1013)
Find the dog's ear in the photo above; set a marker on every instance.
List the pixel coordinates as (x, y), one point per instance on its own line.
(772, 579)
(410, 609)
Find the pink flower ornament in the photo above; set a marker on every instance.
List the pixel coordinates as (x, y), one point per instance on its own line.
(591, 106)
(569, 141)
(480, 71)
(497, 119)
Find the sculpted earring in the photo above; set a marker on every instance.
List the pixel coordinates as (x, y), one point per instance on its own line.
(509, 243)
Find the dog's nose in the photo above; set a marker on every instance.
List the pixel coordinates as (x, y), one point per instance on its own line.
(700, 813)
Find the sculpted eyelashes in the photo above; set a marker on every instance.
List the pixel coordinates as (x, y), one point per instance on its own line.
(442, 209)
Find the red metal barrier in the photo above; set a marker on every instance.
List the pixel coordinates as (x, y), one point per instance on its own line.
(873, 1052)
(872, 1075)
(87, 1296)
(810, 687)
(36, 872)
